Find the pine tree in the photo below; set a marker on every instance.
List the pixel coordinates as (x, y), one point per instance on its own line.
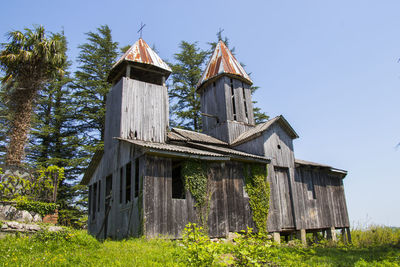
(186, 73)
(96, 59)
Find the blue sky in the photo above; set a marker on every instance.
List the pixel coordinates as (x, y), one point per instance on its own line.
(330, 67)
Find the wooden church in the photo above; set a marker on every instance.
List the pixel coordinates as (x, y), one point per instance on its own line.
(136, 185)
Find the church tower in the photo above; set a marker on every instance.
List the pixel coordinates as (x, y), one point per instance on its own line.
(137, 105)
(225, 96)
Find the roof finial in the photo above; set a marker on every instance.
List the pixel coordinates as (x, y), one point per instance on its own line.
(141, 29)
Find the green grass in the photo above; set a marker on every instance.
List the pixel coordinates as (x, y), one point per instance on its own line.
(78, 248)
(377, 246)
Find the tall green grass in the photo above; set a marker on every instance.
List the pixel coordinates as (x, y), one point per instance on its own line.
(375, 246)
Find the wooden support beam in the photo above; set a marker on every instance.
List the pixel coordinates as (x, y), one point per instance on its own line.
(277, 237)
(348, 234)
(302, 236)
(332, 234)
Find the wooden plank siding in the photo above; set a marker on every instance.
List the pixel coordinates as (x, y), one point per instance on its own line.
(216, 100)
(124, 218)
(328, 209)
(229, 207)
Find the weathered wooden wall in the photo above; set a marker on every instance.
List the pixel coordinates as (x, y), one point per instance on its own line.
(136, 110)
(276, 144)
(216, 100)
(113, 115)
(229, 208)
(328, 208)
(123, 218)
(291, 206)
(145, 111)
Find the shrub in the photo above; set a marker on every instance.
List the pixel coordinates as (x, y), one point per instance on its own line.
(40, 185)
(42, 208)
(198, 248)
(375, 236)
(251, 249)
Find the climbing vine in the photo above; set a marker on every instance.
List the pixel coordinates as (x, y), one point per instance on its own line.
(197, 183)
(40, 185)
(257, 187)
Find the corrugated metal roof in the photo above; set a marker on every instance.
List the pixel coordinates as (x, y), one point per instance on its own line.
(310, 163)
(140, 52)
(230, 151)
(172, 148)
(198, 137)
(172, 136)
(223, 62)
(314, 164)
(260, 128)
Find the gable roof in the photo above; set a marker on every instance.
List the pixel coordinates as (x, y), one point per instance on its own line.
(140, 53)
(92, 167)
(260, 128)
(223, 62)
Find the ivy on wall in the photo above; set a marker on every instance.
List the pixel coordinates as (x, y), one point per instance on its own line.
(42, 208)
(198, 184)
(40, 185)
(258, 189)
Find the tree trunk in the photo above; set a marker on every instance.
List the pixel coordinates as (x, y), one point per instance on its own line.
(22, 112)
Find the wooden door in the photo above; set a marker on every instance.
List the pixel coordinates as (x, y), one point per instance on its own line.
(284, 194)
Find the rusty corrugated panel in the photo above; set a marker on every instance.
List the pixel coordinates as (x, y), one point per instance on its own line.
(141, 52)
(223, 62)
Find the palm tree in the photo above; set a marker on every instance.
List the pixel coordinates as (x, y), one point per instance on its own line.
(28, 61)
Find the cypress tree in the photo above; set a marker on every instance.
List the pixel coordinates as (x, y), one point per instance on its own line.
(96, 59)
(186, 72)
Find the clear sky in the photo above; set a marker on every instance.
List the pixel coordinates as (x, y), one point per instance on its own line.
(330, 67)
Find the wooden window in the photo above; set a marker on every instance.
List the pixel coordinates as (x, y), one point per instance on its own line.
(98, 195)
(121, 173)
(108, 185)
(233, 101)
(108, 188)
(128, 182)
(137, 177)
(245, 104)
(311, 187)
(178, 185)
(90, 199)
(94, 200)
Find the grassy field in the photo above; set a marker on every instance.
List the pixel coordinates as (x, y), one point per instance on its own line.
(377, 246)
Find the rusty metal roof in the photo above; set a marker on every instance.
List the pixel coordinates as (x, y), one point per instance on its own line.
(198, 137)
(260, 128)
(140, 52)
(223, 62)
